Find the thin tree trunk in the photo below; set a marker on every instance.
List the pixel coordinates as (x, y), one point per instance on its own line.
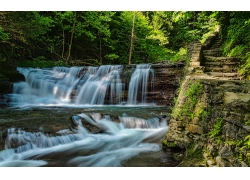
(63, 44)
(131, 40)
(100, 52)
(71, 39)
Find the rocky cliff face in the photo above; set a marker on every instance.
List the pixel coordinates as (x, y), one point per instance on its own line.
(211, 118)
(217, 125)
(167, 80)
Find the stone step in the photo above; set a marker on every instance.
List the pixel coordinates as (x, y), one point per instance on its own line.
(212, 52)
(221, 69)
(221, 59)
(216, 45)
(221, 65)
(196, 48)
(221, 74)
(226, 67)
(228, 76)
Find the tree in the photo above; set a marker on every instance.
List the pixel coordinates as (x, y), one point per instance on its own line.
(131, 39)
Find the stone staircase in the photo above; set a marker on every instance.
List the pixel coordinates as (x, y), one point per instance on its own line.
(217, 66)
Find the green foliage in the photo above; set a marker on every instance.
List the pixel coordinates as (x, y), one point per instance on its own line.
(217, 130)
(111, 57)
(235, 27)
(237, 51)
(202, 114)
(244, 148)
(168, 144)
(99, 35)
(105, 35)
(247, 122)
(194, 90)
(180, 55)
(244, 69)
(3, 36)
(189, 26)
(41, 62)
(191, 95)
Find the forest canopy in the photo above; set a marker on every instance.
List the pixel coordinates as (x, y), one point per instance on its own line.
(108, 37)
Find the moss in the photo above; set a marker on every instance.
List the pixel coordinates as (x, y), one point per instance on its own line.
(194, 157)
(191, 96)
(169, 144)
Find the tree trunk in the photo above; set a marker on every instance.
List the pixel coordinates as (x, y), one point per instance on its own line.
(71, 39)
(131, 40)
(100, 52)
(63, 44)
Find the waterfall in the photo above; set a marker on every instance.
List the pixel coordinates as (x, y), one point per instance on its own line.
(45, 86)
(94, 90)
(86, 85)
(139, 82)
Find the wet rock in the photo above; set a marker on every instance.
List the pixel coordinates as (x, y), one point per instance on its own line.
(89, 126)
(75, 122)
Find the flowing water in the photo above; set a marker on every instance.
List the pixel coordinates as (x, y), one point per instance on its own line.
(123, 132)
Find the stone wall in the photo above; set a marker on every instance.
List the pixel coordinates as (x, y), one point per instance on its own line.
(210, 121)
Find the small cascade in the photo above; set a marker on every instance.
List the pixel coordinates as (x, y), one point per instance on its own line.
(118, 142)
(138, 86)
(133, 122)
(23, 141)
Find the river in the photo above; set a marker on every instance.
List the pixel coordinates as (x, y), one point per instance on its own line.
(58, 118)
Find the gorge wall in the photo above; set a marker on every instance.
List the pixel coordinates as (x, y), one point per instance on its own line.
(167, 79)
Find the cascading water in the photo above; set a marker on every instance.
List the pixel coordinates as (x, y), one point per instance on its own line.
(119, 142)
(81, 86)
(96, 87)
(45, 86)
(138, 85)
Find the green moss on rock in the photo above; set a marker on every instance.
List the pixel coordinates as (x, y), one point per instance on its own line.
(168, 144)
